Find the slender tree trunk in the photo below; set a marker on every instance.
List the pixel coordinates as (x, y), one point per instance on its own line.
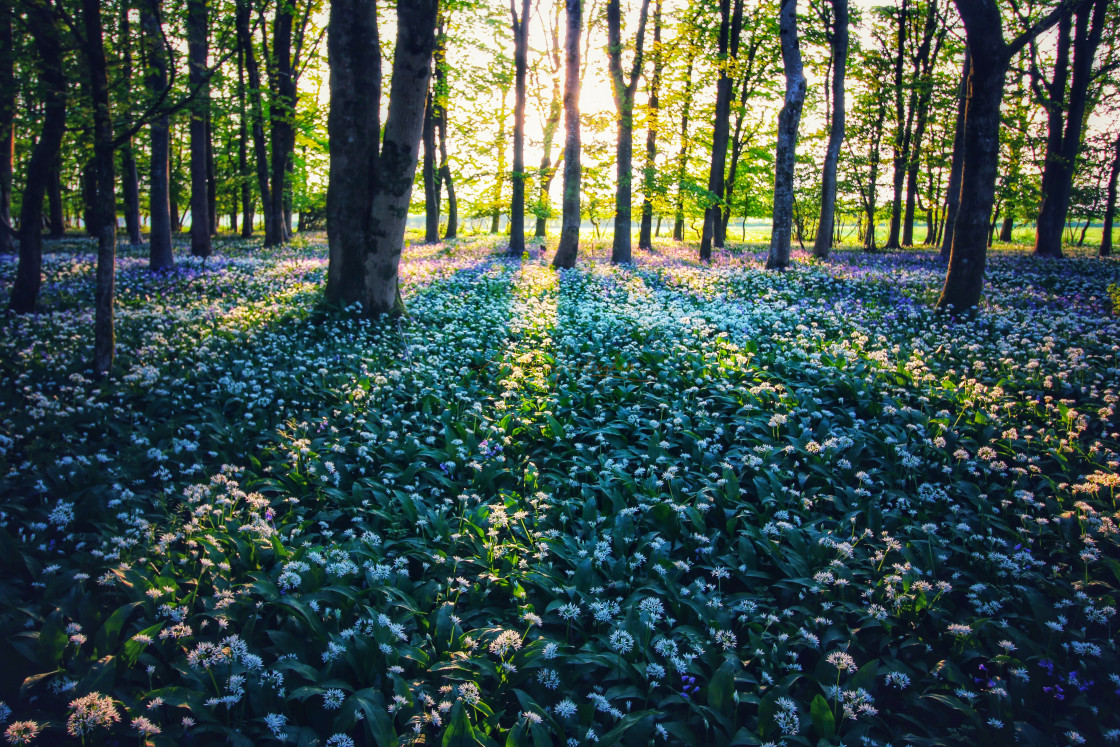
(211, 179)
(499, 177)
(1005, 228)
(160, 254)
(370, 237)
(56, 217)
(682, 154)
(440, 111)
(130, 177)
(933, 35)
(52, 78)
(105, 203)
(7, 127)
(198, 48)
(730, 23)
(953, 190)
(964, 280)
(1066, 122)
(245, 188)
(520, 68)
(623, 90)
(838, 39)
(429, 176)
(1110, 204)
(282, 110)
(260, 148)
(547, 170)
(649, 177)
(788, 121)
(568, 247)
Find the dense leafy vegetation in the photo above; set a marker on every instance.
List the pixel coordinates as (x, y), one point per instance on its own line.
(660, 503)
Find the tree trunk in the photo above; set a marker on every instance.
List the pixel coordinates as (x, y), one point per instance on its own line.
(245, 188)
(130, 178)
(623, 90)
(499, 177)
(354, 51)
(1110, 205)
(440, 112)
(43, 26)
(520, 68)
(953, 190)
(547, 170)
(682, 154)
(649, 177)
(282, 113)
(56, 217)
(731, 22)
(105, 202)
(211, 178)
(260, 149)
(933, 35)
(160, 253)
(428, 175)
(197, 50)
(7, 127)
(1066, 121)
(838, 39)
(788, 121)
(365, 256)
(568, 247)
(1005, 228)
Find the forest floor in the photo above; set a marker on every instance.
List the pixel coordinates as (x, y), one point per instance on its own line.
(617, 505)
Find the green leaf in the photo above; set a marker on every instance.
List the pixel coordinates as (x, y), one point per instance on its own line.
(824, 723)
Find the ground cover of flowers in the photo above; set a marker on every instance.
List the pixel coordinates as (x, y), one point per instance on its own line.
(660, 504)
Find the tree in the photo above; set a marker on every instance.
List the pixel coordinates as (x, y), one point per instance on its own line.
(105, 203)
(687, 31)
(160, 254)
(568, 247)
(371, 176)
(953, 190)
(130, 176)
(1066, 113)
(43, 29)
(649, 176)
(547, 170)
(1110, 203)
(788, 121)
(837, 35)
(439, 113)
(246, 49)
(198, 48)
(990, 55)
(7, 125)
(428, 171)
(623, 88)
(730, 25)
(520, 68)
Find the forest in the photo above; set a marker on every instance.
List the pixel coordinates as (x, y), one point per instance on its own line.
(559, 372)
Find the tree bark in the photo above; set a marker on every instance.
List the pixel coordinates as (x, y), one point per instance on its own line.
(520, 69)
(245, 188)
(56, 216)
(440, 112)
(990, 57)
(377, 185)
(198, 48)
(45, 35)
(105, 218)
(547, 170)
(933, 36)
(1110, 205)
(282, 113)
(354, 124)
(682, 154)
(1065, 121)
(788, 121)
(649, 177)
(260, 148)
(731, 22)
(568, 248)
(7, 127)
(428, 174)
(902, 131)
(623, 89)
(160, 254)
(953, 190)
(838, 40)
